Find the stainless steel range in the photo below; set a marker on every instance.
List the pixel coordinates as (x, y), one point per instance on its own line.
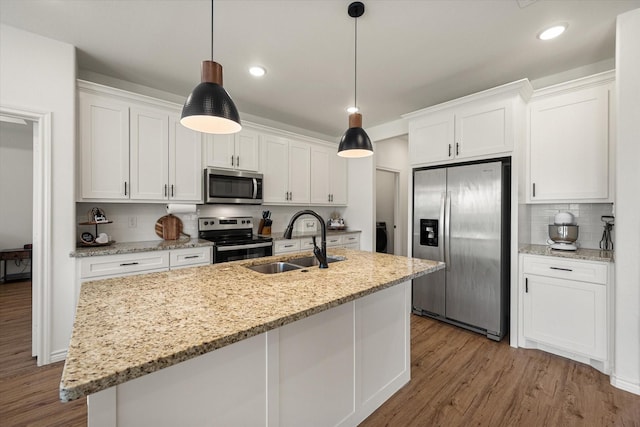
(233, 238)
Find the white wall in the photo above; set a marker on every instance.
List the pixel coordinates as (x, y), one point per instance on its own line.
(16, 184)
(626, 370)
(360, 214)
(394, 154)
(38, 73)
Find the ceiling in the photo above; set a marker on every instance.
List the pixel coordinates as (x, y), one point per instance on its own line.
(411, 54)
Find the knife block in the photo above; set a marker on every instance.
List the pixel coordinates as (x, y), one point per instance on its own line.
(264, 229)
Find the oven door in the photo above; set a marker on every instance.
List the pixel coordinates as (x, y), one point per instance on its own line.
(241, 251)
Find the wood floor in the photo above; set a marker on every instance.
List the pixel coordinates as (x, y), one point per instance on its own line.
(458, 379)
(28, 393)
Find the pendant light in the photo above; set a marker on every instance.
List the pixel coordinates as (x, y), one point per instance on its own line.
(355, 142)
(209, 108)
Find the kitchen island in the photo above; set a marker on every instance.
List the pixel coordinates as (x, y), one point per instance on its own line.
(224, 345)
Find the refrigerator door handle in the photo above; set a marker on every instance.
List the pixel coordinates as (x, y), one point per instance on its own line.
(447, 231)
(441, 233)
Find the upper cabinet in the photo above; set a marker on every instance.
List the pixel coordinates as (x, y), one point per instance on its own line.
(134, 148)
(286, 169)
(235, 151)
(328, 176)
(474, 127)
(571, 142)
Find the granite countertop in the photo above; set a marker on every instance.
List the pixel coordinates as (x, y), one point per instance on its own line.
(300, 235)
(132, 247)
(582, 254)
(127, 327)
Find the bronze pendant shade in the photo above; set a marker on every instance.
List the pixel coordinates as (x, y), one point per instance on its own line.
(209, 108)
(355, 142)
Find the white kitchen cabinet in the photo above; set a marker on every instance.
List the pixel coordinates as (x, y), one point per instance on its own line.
(305, 244)
(190, 257)
(328, 176)
(286, 246)
(474, 127)
(239, 151)
(133, 148)
(286, 169)
(104, 147)
(570, 143)
(564, 305)
(149, 155)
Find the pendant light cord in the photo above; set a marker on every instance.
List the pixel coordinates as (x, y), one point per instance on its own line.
(355, 68)
(212, 30)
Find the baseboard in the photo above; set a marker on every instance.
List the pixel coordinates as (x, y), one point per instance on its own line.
(58, 356)
(629, 386)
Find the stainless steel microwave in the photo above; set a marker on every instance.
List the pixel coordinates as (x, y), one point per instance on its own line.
(232, 187)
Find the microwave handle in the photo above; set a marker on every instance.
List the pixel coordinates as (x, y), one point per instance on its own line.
(255, 188)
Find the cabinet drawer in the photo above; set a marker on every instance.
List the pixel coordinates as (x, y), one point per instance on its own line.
(351, 239)
(334, 241)
(123, 264)
(282, 246)
(189, 257)
(585, 271)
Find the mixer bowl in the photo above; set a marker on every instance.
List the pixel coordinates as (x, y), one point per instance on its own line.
(563, 233)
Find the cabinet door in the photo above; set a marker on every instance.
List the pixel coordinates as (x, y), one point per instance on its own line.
(220, 151)
(149, 145)
(483, 129)
(338, 179)
(320, 175)
(275, 169)
(104, 147)
(566, 314)
(247, 150)
(299, 175)
(431, 138)
(569, 146)
(185, 163)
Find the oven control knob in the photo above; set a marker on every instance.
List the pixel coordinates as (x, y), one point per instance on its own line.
(243, 221)
(206, 223)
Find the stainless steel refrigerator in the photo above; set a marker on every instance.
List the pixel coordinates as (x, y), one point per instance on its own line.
(461, 216)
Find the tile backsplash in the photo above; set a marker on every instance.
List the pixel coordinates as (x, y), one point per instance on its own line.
(588, 218)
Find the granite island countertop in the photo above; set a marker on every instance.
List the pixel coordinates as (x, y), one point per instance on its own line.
(133, 247)
(582, 254)
(131, 326)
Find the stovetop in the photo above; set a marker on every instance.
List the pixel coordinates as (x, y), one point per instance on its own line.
(229, 231)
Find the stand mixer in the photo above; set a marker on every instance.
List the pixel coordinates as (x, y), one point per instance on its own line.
(564, 232)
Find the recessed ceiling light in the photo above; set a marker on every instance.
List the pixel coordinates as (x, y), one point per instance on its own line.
(552, 32)
(257, 71)
(352, 110)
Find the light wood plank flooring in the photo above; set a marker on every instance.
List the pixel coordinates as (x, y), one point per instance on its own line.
(458, 379)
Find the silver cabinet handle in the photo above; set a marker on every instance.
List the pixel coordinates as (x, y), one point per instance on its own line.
(328, 197)
(449, 150)
(124, 264)
(125, 188)
(172, 192)
(457, 148)
(165, 190)
(232, 160)
(192, 256)
(534, 190)
(237, 161)
(526, 285)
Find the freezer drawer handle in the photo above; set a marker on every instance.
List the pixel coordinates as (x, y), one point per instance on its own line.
(560, 268)
(124, 264)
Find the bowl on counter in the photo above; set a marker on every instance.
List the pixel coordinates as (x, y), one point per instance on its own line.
(563, 233)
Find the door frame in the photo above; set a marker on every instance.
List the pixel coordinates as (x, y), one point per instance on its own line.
(396, 206)
(41, 251)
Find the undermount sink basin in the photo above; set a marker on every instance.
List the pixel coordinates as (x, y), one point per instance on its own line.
(294, 264)
(311, 261)
(274, 267)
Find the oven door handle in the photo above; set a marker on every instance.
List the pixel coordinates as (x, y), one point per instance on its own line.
(236, 247)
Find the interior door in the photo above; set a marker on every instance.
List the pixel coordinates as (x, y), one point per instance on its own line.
(473, 254)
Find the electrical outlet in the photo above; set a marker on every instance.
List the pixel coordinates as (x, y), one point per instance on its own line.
(133, 222)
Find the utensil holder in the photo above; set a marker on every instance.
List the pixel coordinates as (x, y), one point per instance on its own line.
(261, 227)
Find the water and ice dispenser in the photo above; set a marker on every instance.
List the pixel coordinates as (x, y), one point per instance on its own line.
(429, 232)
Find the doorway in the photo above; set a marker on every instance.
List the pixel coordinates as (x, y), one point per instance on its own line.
(38, 126)
(387, 208)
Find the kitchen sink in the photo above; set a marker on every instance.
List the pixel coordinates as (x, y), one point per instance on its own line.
(291, 265)
(311, 261)
(274, 267)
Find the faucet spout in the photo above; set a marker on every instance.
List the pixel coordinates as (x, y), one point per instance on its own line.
(320, 253)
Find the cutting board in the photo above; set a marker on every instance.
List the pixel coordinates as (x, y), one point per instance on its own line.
(169, 227)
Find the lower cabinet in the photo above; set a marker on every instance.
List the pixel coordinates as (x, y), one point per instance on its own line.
(324, 370)
(109, 266)
(564, 306)
(303, 244)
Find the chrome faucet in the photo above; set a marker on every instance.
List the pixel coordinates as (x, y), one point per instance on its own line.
(321, 254)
